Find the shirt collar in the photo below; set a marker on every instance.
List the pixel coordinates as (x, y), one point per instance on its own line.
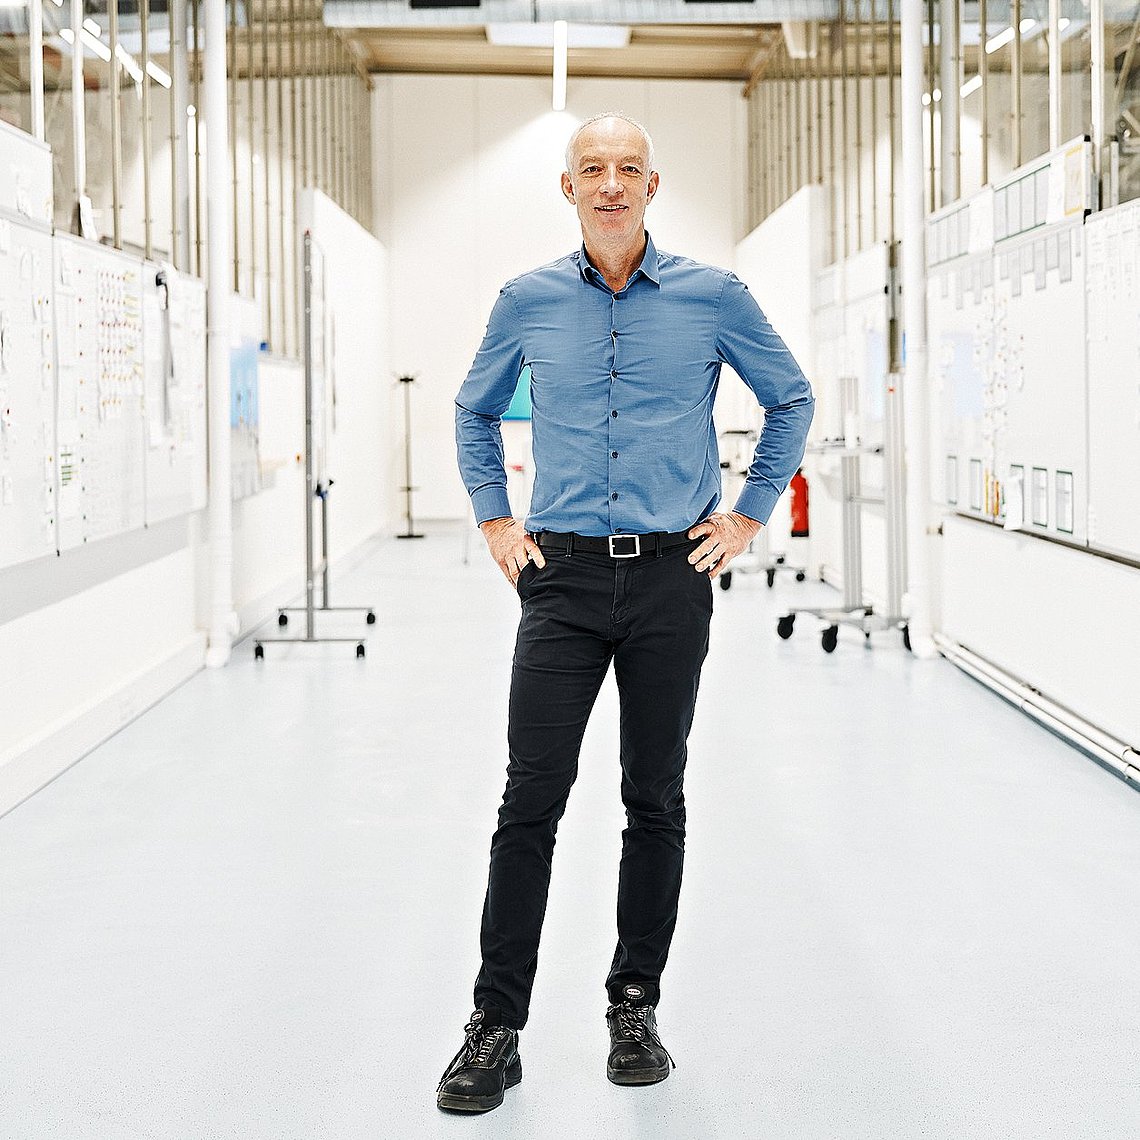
(649, 266)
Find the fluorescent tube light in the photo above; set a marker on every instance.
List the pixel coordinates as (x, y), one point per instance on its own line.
(542, 35)
(999, 41)
(92, 27)
(971, 85)
(97, 46)
(128, 61)
(559, 96)
(159, 76)
(1063, 23)
(1027, 25)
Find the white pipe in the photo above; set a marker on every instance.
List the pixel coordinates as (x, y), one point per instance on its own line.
(179, 156)
(558, 99)
(78, 129)
(223, 620)
(915, 387)
(1055, 74)
(948, 107)
(1110, 750)
(1099, 134)
(36, 66)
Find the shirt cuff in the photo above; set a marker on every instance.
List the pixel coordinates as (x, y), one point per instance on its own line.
(491, 503)
(757, 502)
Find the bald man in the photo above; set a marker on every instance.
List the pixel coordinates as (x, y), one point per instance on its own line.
(613, 563)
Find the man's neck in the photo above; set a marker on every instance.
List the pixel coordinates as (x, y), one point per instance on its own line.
(617, 265)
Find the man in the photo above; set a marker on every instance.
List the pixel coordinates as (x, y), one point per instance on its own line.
(614, 563)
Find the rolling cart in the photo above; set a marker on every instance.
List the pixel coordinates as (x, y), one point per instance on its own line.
(737, 448)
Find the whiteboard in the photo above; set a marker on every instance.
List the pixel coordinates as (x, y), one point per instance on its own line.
(27, 395)
(174, 335)
(1037, 375)
(1113, 290)
(100, 431)
(960, 318)
(25, 176)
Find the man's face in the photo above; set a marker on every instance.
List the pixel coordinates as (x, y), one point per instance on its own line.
(609, 183)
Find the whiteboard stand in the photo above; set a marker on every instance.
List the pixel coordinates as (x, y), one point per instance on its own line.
(740, 445)
(854, 609)
(315, 489)
(407, 488)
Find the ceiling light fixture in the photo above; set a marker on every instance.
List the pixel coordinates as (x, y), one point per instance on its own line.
(560, 36)
(971, 85)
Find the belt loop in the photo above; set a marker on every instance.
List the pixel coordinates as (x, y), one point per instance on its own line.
(659, 538)
(570, 544)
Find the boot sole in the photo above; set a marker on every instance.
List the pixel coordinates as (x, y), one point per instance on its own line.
(637, 1076)
(451, 1102)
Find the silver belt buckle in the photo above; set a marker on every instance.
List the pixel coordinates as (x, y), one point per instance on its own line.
(634, 538)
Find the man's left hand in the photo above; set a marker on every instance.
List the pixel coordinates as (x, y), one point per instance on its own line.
(726, 536)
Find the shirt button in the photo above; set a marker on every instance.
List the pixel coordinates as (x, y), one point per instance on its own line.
(613, 374)
(613, 333)
(614, 495)
(613, 455)
(614, 414)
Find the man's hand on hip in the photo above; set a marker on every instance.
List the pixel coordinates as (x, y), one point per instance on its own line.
(725, 536)
(511, 547)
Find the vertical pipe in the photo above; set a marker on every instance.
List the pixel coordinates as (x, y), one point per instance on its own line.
(845, 176)
(789, 128)
(304, 98)
(1099, 106)
(1015, 82)
(78, 118)
(873, 37)
(280, 344)
(180, 159)
(983, 72)
(223, 621)
(858, 127)
(817, 33)
(294, 166)
(144, 60)
(36, 66)
(833, 185)
(195, 7)
(232, 104)
(950, 72)
(249, 92)
(265, 134)
(914, 381)
(1055, 74)
(116, 126)
(931, 106)
(324, 130)
(797, 128)
(892, 127)
(809, 109)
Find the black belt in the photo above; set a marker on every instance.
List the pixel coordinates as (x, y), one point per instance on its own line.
(615, 545)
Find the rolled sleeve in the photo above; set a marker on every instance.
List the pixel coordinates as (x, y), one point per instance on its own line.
(747, 341)
(479, 408)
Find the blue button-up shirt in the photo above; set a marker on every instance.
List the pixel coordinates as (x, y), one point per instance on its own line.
(622, 387)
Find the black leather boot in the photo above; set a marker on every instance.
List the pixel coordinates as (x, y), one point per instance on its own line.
(637, 1056)
(486, 1066)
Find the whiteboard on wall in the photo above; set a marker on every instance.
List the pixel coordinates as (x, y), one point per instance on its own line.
(866, 347)
(27, 394)
(174, 332)
(1038, 389)
(99, 429)
(1113, 290)
(25, 176)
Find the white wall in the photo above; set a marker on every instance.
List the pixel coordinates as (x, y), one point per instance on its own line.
(90, 639)
(468, 196)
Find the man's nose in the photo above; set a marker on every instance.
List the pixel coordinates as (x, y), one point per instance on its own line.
(612, 183)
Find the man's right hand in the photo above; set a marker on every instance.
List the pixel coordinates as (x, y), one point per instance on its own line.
(511, 547)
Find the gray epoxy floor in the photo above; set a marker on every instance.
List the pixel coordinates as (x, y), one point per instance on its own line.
(908, 911)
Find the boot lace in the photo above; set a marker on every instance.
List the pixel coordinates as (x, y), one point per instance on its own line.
(478, 1045)
(633, 1022)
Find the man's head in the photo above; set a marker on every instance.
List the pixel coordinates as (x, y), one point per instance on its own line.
(610, 179)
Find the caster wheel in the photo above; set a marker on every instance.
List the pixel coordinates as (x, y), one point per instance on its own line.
(800, 575)
(771, 578)
(830, 638)
(726, 580)
(371, 618)
(282, 619)
(866, 635)
(780, 559)
(360, 650)
(906, 637)
(258, 652)
(784, 626)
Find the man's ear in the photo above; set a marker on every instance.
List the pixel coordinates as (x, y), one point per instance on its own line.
(654, 182)
(568, 189)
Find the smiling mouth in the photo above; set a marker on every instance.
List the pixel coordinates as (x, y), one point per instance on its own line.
(610, 209)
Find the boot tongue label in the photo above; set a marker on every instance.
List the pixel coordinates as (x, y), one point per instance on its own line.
(633, 992)
(477, 1015)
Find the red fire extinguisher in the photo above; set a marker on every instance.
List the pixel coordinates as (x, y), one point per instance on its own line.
(799, 504)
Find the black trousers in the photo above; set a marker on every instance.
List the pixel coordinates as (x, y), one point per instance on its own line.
(650, 616)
